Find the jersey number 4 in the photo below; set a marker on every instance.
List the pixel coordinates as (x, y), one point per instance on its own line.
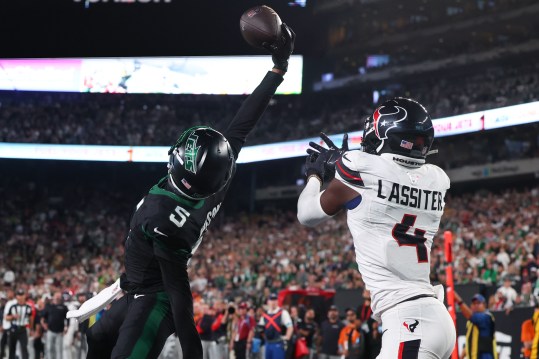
(403, 238)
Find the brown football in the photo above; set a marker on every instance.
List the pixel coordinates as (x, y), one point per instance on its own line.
(260, 24)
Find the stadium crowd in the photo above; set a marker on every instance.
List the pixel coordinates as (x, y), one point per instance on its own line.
(68, 241)
(70, 118)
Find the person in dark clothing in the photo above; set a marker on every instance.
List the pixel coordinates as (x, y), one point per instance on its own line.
(364, 312)
(54, 322)
(20, 316)
(37, 330)
(480, 328)
(204, 328)
(308, 329)
(219, 328)
(354, 345)
(373, 341)
(168, 226)
(330, 330)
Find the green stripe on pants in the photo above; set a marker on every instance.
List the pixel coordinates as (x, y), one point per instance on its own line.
(146, 341)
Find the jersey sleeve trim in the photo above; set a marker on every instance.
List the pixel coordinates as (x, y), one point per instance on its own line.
(348, 175)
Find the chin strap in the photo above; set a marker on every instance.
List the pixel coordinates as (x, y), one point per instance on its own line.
(431, 152)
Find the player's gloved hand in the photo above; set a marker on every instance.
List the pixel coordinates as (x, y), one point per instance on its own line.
(323, 159)
(282, 49)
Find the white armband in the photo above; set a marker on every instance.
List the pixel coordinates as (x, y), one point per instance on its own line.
(310, 212)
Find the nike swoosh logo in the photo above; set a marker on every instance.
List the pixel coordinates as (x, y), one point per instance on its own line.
(346, 158)
(158, 232)
(138, 295)
(384, 332)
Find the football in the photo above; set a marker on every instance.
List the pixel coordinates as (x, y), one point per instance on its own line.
(260, 24)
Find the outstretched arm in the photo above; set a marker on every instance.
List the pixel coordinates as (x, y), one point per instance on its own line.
(254, 106)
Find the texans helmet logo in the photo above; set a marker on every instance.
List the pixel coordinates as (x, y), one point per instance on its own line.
(383, 125)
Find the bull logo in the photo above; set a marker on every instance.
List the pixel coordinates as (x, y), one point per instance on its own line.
(382, 125)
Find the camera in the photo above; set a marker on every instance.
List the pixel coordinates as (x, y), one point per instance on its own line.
(231, 310)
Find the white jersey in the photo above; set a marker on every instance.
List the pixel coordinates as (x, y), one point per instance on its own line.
(393, 223)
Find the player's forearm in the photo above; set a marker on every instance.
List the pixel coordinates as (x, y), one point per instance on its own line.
(251, 110)
(310, 212)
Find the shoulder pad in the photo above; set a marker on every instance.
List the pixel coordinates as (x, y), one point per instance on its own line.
(347, 170)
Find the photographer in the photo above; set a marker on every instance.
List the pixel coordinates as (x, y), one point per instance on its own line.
(243, 329)
(205, 331)
(222, 327)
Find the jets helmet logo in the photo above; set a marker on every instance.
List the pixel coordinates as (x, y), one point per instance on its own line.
(381, 126)
(191, 151)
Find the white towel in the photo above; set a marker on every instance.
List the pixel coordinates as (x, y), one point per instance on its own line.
(95, 304)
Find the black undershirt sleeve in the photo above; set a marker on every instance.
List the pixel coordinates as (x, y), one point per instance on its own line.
(250, 111)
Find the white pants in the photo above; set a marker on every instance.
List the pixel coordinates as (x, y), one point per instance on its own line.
(54, 345)
(172, 349)
(421, 326)
(209, 349)
(68, 341)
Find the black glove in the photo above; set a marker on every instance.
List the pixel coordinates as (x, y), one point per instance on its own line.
(321, 161)
(282, 49)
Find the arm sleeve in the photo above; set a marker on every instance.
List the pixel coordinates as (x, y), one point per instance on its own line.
(287, 320)
(251, 110)
(310, 212)
(217, 323)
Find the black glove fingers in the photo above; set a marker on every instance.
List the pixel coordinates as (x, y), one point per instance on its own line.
(317, 147)
(345, 142)
(310, 151)
(328, 141)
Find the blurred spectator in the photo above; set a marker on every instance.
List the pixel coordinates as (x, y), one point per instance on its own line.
(219, 327)
(330, 329)
(352, 337)
(278, 329)
(527, 333)
(54, 323)
(308, 329)
(204, 327)
(242, 332)
(509, 294)
(10, 300)
(374, 340)
(37, 330)
(364, 312)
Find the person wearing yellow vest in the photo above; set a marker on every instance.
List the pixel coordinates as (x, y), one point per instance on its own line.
(480, 328)
(535, 343)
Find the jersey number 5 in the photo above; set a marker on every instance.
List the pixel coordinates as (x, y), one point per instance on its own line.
(183, 216)
(416, 240)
